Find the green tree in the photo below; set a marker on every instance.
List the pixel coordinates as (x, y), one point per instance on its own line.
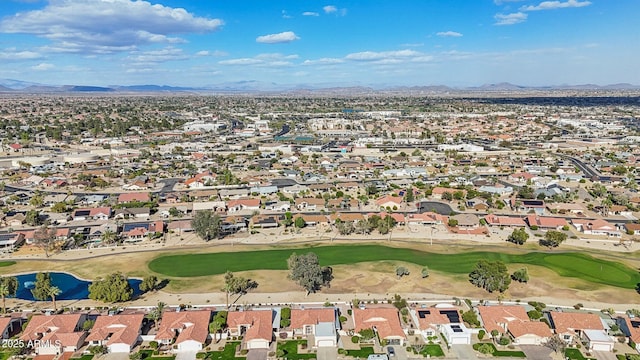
(521, 275)
(518, 236)
(236, 285)
(156, 313)
(32, 218)
(288, 219)
(44, 237)
(491, 276)
(553, 238)
(60, 207)
(54, 291)
(305, 270)
(113, 288)
(149, 283)
(300, 223)
(41, 287)
(471, 318)
(88, 324)
(8, 287)
(109, 236)
(401, 271)
(207, 224)
(409, 197)
(425, 272)
(452, 222)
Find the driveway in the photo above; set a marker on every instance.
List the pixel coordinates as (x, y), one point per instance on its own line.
(464, 352)
(257, 354)
(186, 355)
(537, 352)
(401, 352)
(327, 353)
(604, 355)
(115, 356)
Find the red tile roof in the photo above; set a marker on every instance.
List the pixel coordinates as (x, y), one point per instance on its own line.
(521, 328)
(564, 322)
(499, 317)
(299, 318)
(385, 320)
(119, 329)
(546, 222)
(496, 220)
(259, 323)
(54, 328)
(128, 197)
(191, 325)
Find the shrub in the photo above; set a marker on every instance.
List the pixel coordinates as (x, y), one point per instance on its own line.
(481, 334)
(355, 339)
(343, 318)
(504, 341)
(244, 352)
(486, 349)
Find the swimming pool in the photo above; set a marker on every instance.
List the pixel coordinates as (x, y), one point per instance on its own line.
(70, 286)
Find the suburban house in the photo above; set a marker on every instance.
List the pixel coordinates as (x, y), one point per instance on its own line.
(135, 196)
(495, 220)
(442, 318)
(242, 204)
(99, 213)
(427, 218)
(570, 325)
(527, 205)
(185, 330)
(514, 321)
(597, 340)
(630, 327)
(321, 323)
(119, 333)
(385, 321)
(632, 229)
(466, 221)
(546, 222)
(9, 241)
(596, 227)
(132, 213)
(389, 202)
(438, 192)
(56, 333)
(135, 232)
(8, 325)
(309, 204)
(256, 327)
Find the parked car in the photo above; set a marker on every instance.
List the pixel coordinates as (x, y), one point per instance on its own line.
(391, 351)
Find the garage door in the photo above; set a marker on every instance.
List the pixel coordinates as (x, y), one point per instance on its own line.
(326, 343)
(257, 344)
(458, 341)
(601, 347)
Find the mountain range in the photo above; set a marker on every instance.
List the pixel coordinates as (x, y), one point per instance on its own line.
(251, 86)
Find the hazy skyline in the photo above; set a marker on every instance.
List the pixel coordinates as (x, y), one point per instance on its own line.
(412, 42)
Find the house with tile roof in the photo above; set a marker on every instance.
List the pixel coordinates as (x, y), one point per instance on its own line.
(319, 325)
(186, 330)
(546, 222)
(99, 213)
(513, 320)
(496, 220)
(55, 334)
(596, 227)
(443, 318)
(8, 325)
(256, 327)
(570, 325)
(135, 196)
(384, 321)
(118, 333)
(631, 328)
(427, 218)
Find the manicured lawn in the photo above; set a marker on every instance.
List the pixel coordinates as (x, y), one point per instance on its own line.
(432, 350)
(83, 357)
(228, 352)
(574, 354)
(291, 350)
(6, 263)
(567, 264)
(502, 353)
(6, 355)
(363, 353)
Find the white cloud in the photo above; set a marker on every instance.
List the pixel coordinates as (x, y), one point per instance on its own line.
(241, 61)
(323, 61)
(510, 19)
(276, 56)
(156, 56)
(412, 45)
(330, 9)
(103, 26)
(43, 67)
(500, 2)
(10, 54)
(552, 5)
(376, 56)
(216, 53)
(283, 37)
(285, 15)
(449, 34)
(310, 13)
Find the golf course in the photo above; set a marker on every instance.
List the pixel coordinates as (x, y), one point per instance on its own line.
(565, 264)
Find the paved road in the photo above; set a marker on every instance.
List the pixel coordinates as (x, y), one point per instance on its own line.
(604, 355)
(537, 352)
(438, 207)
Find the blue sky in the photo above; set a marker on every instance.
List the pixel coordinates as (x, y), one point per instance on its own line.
(342, 42)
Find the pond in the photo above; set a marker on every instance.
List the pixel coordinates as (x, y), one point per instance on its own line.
(70, 286)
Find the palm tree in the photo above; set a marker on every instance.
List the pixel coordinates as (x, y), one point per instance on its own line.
(156, 313)
(54, 291)
(214, 328)
(4, 291)
(108, 236)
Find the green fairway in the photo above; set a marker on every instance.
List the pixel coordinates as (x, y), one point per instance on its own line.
(6, 263)
(567, 264)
